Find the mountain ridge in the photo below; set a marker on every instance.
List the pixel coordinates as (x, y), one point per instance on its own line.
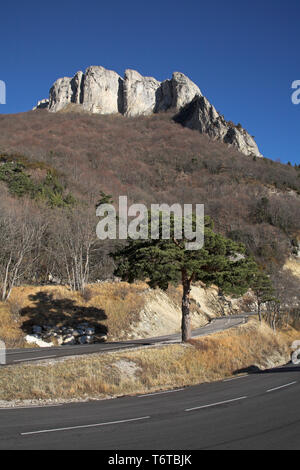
(102, 91)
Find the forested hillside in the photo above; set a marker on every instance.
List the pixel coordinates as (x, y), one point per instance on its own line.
(54, 166)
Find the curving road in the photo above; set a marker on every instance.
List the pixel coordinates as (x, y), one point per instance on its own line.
(16, 356)
(258, 411)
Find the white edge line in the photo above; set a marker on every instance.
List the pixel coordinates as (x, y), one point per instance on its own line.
(282, 386)
(16, 408)
(84, 426)
(34, 358)
(216, 404)
(160, 393)
(236, 378)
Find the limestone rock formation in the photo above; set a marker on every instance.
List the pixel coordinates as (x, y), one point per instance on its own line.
(103, 91)
(139, 94)
(202, 116)
(76, 85)
(184, 90)
(97, 91)
(61, 94)
(175, 93)
(42, 104)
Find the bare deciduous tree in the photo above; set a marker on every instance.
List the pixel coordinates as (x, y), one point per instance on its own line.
(20, 235)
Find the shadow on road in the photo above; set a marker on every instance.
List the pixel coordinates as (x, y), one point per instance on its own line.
(257, 370)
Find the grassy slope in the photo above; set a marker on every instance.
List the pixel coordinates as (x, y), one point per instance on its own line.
(139, 371)
(120, 310)
(109, 307)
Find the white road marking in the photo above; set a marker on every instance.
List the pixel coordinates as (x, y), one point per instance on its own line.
(16, 408)
(282, 386)
(216, 404)
(160, 393)
(236, 378)
(34, 358)
(84, 426)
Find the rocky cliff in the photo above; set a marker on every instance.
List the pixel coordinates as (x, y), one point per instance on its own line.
(103, 91)
(199, 114)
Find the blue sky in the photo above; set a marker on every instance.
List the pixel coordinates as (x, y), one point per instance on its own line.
(242, 54)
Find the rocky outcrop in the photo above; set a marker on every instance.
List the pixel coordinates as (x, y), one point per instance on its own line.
(139, 94)
(145, 95)
(77, 88)
(202, 116)
(97, 91)
(183, 90)
(175, 93)
(42, 104)
(103, 91)
(61, 94)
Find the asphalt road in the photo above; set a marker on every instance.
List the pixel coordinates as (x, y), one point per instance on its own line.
(16, 356)
(257, 411)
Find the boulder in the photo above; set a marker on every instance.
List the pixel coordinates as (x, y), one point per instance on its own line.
(82, 340)
(34, 339)
(69, 340)
(86, 339)
(37, 330)
(89, 339)
(103, 337)
(90, 331)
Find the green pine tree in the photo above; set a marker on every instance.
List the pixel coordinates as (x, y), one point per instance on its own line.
(263, 290)
(162, 262)
(104, 199)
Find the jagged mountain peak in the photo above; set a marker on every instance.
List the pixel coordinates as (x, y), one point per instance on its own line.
(102, 91)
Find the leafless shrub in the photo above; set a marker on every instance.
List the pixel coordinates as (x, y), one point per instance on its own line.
(15, 307)
(87, 294)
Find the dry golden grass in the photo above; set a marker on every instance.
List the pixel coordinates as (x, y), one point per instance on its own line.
(207, 359)
(10, 327)
(293, 265)
(110, 307)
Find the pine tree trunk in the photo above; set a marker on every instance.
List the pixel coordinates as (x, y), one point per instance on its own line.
(186, 319)
(259, 311)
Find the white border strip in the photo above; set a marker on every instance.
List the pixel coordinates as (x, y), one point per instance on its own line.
(34, 358)
(282, 386)
(84, 426)
(216, 404)
(160, 393)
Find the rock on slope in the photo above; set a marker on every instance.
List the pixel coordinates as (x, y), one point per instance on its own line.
(161, 315)
(103, 91)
